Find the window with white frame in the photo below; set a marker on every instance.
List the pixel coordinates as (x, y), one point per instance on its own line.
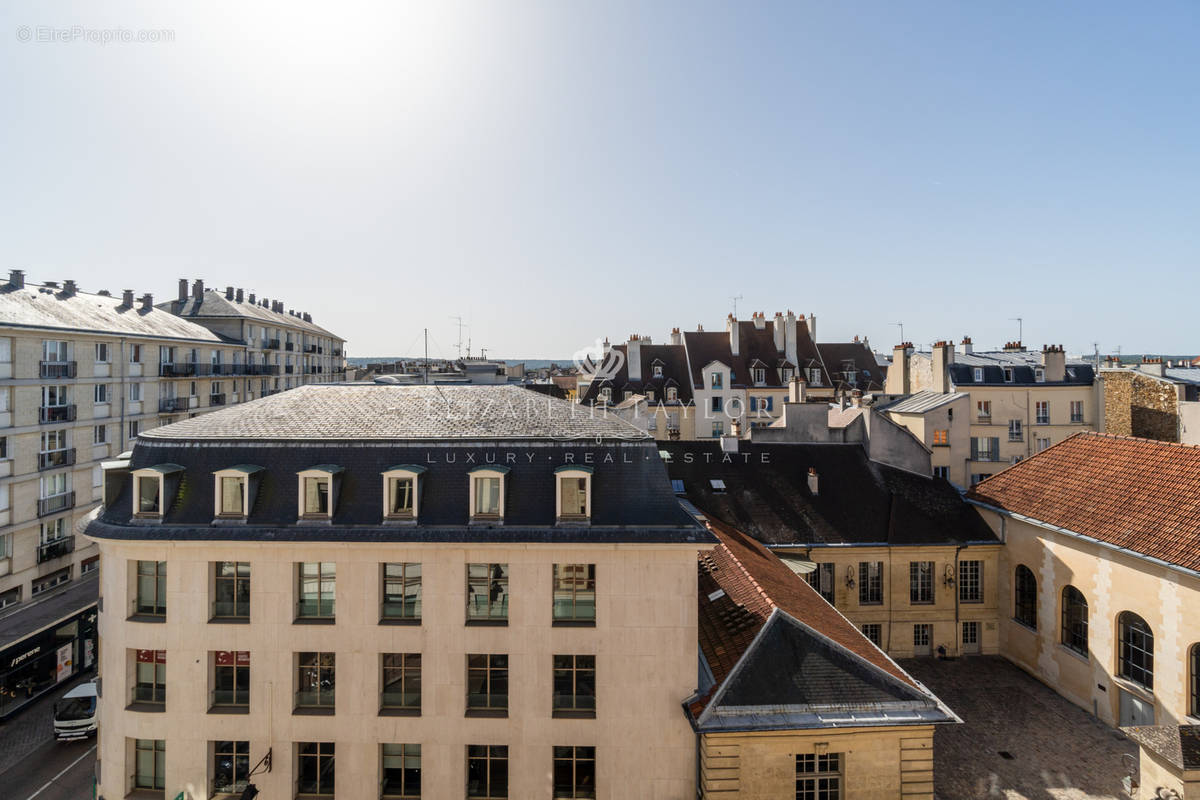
(135, 354)
(1076, 411)
(100, 434)
(760, 376)
(658, 371)
(814, 376)
(819, 777)
(717, 380)
(234, 489)
(1008, 374)
(672, 394)
(977, 374)
(400, 491)
(574, 493)
(487, 492)
(135, 392)
(55, 351)
(1042, 444)
(134, 428)
(1042, 408)
(984, 409)
(149, 494)
(101, 392)
(318, 491)
(102, 356)
(1039, 375)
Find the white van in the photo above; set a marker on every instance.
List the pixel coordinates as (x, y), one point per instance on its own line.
(75, 713)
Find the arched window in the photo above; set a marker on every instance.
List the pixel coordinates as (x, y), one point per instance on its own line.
(1194, 684)
(1025, 595)
(1075, 620)
(1136, 654)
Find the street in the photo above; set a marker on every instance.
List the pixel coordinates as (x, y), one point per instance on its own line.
(34, 765)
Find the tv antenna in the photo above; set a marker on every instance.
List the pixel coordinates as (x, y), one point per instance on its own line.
(901, 325)
(459, 343)
(735, 299)
(1020, 328)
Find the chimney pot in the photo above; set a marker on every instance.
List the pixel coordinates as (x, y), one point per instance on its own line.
(251, 297)
(228, 292)
(16, 278)
(147, 302)
(127, 298)
(241, 295)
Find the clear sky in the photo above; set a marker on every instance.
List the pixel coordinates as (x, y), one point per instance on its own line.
(561, 171)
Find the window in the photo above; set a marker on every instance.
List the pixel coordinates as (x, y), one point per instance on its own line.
(970, 635)
(401, 495)
(487, 592)
(54, 351)
(487, 492)
(970, 581)
(231, 590)
(135, 354)
(920, 582)
(401, 592)
(575, 593)
(231, 767)
(135, 395)
(574, 686)
(315, 768)
(672, 394)
(1008, 374)
(984, 409)
(12, 596)
(1014, 430)
(100, 434)
(941, 438)
(3, 447)
(53, 441)
(814, 376)
(231, 679)
(1136, 655)
(717, 404)
(101, 392)
(760, 376)
(657, 370)
(717, 381)
(821, 579)
(574, 493)
(1042, 408)
(1039, 375)
(317, 590)
(1077, 411)
(942, 472)
(487, 771)
(574, 772)
(1194, 681)
(401, 770)
(874, 632)
(151, 588)
(787, 374)
(54, 396)
(1075, 620)
(315, 684)
(401, 682)
(870, 583)
(922, 635)
(605, 394)
(819, 777)
(1042, 444)
(650, 395)
(487, 683)
(150, 677)
(192, 391)
(718, 429)
(102, 352)
(985, 448)
(978, 374)
(1025, 597)
(233, 496)
(48, 582)
(150, 763)
(316, 497)
(149, 491)
(53, 530)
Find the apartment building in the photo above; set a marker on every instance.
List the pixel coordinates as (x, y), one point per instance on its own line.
(1019, 403)
(386, 591)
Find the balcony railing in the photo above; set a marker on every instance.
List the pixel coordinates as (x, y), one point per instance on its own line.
(56, 414)
(230, 698)
(272, 344)
(56, 369)
(56, 503)
(216, 399)
(289, 346)
(172, 405)
(310, 348)
(262, 369)
(56, 458)
(186, 369)
(335, 352)
(56, 548)
(289, 369)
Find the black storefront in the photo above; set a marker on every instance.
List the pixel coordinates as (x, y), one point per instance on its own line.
(47, 643)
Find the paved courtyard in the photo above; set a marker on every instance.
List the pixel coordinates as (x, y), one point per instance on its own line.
(1058, 751)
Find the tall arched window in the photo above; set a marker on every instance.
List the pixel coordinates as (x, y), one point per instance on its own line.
(1194, 683)
(1136, 654)
(1075, 620)
(1025, 595)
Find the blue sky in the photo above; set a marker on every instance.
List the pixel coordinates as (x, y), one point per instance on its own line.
(556, 172)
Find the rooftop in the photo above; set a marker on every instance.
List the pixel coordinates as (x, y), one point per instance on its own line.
(355, 412)
(1138, 494)
(923, 401)
(214, 304)
(1178, 745)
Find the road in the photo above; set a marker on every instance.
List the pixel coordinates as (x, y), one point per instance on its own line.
(33, 766)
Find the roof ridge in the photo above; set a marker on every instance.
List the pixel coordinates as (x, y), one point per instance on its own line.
(745, 571)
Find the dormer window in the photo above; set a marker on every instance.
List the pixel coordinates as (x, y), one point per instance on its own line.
(605, 394)
(318, 491)
(628, 395)
(1008, 375)
(487, 493)
(574, 494)
(153, 489)
(760, 376)
(787, 374)
(400, 492)
(979, 374)
(1039, 375)
(718, 380)
(672, 394)
(235, 490)
(658, 373)
(650, 395)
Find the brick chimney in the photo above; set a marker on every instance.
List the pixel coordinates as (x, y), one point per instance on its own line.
(777, 330)
(967, 347)
(228, 292)
(760, 320)
(1152, 366)
(241, 295)
(1054, 362)
(16, 278)
(676, 336)
(797, 390)
(251, 298)
(1014, 347)
(943, 357)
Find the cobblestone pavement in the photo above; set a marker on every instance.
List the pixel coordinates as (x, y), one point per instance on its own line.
(1059, 751)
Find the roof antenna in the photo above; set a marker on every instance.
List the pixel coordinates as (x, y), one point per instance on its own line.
(735, 299)
(901, 324)
(1020, 328)
(460, 342)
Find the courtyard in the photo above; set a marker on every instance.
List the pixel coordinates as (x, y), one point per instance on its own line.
(1019, 740)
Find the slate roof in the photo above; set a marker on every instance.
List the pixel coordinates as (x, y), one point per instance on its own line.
(673, 359)
(1188, 375)
(859, 501)
(1023, 364)
(35, 615)
(705, 347)
(922, 402)
(36, 306)
(841, 358)
(1138, 494)
(775, 655)
(357, 412)
(214, 305)
(1178, 745)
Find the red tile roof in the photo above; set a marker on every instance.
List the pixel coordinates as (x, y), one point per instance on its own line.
(754, 582)
(1139, 494)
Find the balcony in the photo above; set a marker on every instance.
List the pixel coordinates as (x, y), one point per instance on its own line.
(186, 370)
(272, 344)
(1077, 419)
(56, 548)
(230, 699)
(335, 351)
(56, 369)
(289, 369)
(289, 346)
(56, 503)
(228, 369)
(310, 348)
(262, 369)
(1016, 437)
(172, 405)
(56, 414)
(56, 458)
(216, 399)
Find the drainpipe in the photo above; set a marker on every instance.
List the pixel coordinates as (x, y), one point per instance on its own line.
(957, 623)
(124, 392)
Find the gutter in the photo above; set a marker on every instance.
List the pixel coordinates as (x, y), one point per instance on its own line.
(834, 545)
(1084, 537)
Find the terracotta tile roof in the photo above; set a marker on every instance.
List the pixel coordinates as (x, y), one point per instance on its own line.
(1139, 494)
(741, 583)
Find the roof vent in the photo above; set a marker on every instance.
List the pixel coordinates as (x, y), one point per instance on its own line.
(104, 293)
(51, 284)
(69, 288)
(16, 278)
(813, 485)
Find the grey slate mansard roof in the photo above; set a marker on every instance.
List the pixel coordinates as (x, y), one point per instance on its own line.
(923, 401)
(214, 305)
(632, 500)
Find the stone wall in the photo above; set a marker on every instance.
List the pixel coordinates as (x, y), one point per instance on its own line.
(1139, 405)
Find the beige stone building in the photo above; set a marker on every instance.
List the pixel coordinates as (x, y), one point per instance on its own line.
(1019, 404)
(394, 596)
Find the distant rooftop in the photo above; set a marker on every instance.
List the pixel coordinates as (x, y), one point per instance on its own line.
(230, 302)
(379, 412)
(923, 401)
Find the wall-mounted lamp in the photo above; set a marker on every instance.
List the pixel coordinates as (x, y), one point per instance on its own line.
(850, 577)
(948, 579)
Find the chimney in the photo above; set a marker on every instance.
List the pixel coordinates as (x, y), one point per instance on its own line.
(856, 398)
(943, 357)
(127, 298)
(797, 390)
(967, 347)
(69, 288)
(777, 329)
(898, 378)
(1150, 366)
(812, 326)
(676, 336)
(789, 338)
(241, 295)
(307, 317)
(842, 401)
(228, 292)
(252, 299)
(633, 358)
(16, 278)
(760, 320)
(699, 328)
(198, 289)
(147, 302)
(1013, 347)
(104, 293)
(183, 294)
(1054, 362)
(813, 485)
(731, 327)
